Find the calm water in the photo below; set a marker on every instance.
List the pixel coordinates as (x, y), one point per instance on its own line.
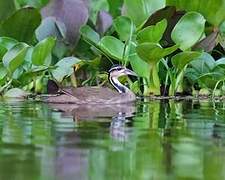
(163, 140)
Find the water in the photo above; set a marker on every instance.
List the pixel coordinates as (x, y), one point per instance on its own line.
(163, 140)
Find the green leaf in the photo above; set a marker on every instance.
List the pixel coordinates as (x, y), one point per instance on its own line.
(21, 25)
(220, 62)
(115, 7)
(152, 52)
(140, 10)
(113, 47)
(15, 57)
(3, 71)
(64, 68)
(188, 30)
(139, 66)
(3, 50)
(7, 8)
(124, 27)
(181, 59)
(33, 3)
(42, 51)
(7, 42)
(152, 33)
(16, 93)
(90, 35)
(212, 10)
(203, 64)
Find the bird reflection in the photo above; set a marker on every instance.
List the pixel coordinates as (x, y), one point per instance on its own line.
(95, 112)
(117, 114)
(118, 127)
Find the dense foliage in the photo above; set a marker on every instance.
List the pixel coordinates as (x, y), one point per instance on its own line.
(175, 46)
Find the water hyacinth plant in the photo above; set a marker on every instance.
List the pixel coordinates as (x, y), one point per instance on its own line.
(165, 42)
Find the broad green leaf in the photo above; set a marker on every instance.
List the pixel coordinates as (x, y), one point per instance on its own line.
(139, 66)
(42, 51)
(140, 10)
(90, 35)
(220, 62)
(152, 33)
(15, 56)
(203, 64)
(64, 68)
(212, 10)
(188, 30)
(3, 71)
(152, 52)
(124, 27)
(3, 50)
(7, 42)
(18, 72)
(16, 93)
(21, 25)
(33, 3)
(115, 7)
(181, 59)
(7, 8)
(113, 47)
(222, 27)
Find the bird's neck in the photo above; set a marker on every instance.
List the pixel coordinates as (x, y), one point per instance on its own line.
(118, 86)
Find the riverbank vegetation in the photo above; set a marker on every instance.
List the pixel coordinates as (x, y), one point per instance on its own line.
(176, 47)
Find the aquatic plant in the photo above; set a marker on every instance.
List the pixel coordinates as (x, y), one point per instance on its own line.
(163, 42)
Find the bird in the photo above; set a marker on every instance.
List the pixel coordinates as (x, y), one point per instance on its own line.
(95, 94)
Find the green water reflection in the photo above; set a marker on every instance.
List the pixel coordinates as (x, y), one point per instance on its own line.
(163, 140)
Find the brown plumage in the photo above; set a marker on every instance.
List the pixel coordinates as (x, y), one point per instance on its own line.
(98, 95)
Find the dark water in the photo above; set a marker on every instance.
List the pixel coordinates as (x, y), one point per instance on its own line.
(163, 140)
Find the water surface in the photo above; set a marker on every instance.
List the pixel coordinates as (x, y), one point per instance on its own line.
(162, 140)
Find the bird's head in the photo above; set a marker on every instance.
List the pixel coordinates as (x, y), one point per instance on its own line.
(118, 70)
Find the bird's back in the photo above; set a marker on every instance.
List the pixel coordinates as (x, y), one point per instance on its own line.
(91, 95)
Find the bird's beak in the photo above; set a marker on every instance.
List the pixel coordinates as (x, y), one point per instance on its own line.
(129, 72)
